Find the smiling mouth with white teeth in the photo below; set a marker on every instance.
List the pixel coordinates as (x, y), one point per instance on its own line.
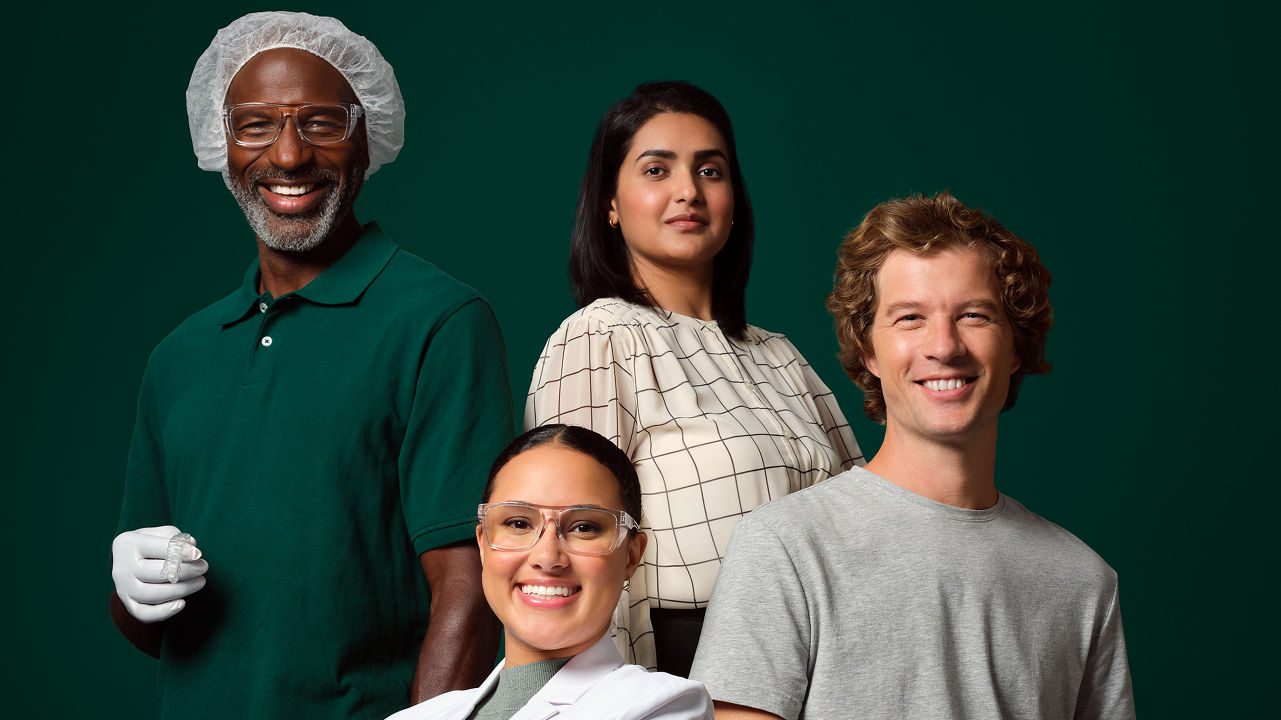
(949, 384)
(292, 189)
(548, 590)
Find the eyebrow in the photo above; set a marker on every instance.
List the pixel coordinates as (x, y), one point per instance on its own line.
(979, 303)
(669, 155)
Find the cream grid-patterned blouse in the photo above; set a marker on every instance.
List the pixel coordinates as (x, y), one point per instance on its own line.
(715, 426)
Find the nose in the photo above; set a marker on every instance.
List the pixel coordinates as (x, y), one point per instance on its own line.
(548, 552)
(290, 152)
(686, 189)
(944, 341)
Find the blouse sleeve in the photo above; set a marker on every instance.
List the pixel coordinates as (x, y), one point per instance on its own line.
(585, 377)
(829, 415)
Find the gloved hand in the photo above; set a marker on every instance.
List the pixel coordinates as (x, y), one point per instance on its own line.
(137, 558)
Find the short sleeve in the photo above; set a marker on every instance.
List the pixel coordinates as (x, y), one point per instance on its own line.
(755, 645)
(1105, 687)
(585, 377)
(461, 418)
(146, 502)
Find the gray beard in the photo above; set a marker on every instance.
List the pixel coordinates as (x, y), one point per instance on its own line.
(294, 233)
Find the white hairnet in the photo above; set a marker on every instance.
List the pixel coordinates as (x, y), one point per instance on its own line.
(369, 75)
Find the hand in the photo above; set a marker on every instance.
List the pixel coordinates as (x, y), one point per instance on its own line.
(137, 558)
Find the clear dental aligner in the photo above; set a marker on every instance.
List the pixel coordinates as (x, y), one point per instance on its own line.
(173, 555)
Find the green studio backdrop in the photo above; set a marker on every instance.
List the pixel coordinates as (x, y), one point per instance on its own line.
(1134, 146)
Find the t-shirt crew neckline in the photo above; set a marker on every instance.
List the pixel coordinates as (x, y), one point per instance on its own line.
(952, 512)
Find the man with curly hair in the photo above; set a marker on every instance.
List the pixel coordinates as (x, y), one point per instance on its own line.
(912, 587)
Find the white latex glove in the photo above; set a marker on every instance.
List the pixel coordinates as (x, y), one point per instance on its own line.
(137, 558)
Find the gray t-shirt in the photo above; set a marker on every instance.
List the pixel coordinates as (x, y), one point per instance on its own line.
(858, 598)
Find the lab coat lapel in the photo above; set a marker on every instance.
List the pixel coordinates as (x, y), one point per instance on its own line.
(577, 677)
(467, 703)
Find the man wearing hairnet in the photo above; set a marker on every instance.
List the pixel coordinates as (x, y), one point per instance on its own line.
(302, 485)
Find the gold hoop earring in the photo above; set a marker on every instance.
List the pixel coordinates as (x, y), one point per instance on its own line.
(613, 222)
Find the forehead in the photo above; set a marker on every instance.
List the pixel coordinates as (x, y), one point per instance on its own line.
(288, 75)
(951, 275)
(678, 132)
(556, 475)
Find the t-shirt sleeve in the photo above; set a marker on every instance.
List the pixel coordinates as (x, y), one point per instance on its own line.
(584, 377)
(1105, 687)
(460, 420)
(146, 503)
(755, 645)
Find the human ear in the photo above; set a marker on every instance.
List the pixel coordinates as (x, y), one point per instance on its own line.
(869, 362)
(480, 543)
(635, 551)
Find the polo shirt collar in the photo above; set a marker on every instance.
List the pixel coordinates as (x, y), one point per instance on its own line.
(340, 283)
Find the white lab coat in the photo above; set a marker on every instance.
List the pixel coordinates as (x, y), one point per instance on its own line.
(595, 685)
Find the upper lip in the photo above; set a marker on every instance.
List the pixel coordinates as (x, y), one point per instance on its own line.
(548, 583)
(687, 217)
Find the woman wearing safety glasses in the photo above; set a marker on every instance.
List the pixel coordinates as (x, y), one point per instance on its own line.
(558, 541)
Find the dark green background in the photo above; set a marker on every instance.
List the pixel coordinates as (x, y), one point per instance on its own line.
(1135, 148)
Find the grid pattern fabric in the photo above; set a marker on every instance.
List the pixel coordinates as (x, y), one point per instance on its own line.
(715, 427)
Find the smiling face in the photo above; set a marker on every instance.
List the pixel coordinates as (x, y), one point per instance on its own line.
(942, 345)
(554, 603)
(675, 200)
(294, 193)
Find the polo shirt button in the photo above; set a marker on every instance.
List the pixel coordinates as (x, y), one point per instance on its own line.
(266, 341)
(262, 307)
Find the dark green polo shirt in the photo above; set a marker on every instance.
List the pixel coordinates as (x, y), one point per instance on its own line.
(315, 444)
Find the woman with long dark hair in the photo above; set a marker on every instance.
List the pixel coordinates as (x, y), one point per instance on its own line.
(717, 415)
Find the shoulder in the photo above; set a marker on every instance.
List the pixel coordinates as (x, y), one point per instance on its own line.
(412, 281)
(841, 494)
(437, 706)
(646, 694)
(198, 329)
(609, 318)
(1057, 545)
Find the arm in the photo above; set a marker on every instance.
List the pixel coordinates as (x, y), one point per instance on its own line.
(730, 711)
(754, 651)
(462, 637)
(1105, 686)
(837, 428)
(460, 420)
(585, 376)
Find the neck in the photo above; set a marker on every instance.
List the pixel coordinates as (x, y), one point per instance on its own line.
(282, 272)
(678, 290)
(960, 473)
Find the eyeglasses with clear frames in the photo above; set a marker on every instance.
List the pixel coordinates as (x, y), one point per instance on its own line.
(259, 124)
(583, 530)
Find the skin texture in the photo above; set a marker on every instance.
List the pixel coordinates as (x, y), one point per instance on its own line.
(730, 711)
(462, 639)
(287, 75)
(941, 316)
(562, 627)
(677, 166)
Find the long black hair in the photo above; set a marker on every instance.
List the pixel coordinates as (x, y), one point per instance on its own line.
(582, 440)
(599, 264)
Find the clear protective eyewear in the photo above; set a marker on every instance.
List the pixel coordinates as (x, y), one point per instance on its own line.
(259, 124)
(582, 529)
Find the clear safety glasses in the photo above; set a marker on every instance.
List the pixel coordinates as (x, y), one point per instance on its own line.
(582, 530)
(259, 124)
